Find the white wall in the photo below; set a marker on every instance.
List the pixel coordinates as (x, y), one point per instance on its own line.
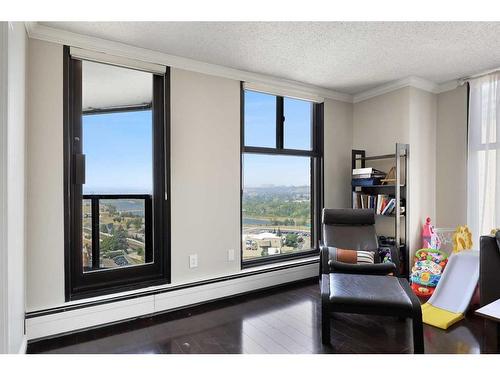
(423, 116)
(382, 121)
(13, 95)
(338, 135)
(451, 160)
(205, 174)
(436, 128)
(4, 325)
(407, 115)
(378, 124)
(16, 183)
(45, 242)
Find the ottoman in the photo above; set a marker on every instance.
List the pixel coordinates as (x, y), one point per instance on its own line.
(373, 295)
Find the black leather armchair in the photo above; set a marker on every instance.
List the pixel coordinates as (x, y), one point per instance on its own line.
(362, 288)
(352, 229)
(489, 268)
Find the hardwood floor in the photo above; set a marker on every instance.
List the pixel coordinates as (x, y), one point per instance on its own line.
(282, 320)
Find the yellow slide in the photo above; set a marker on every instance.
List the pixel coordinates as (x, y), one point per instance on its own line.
(440, 318)
(452, 296)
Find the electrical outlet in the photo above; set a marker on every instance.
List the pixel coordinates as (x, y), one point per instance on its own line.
(230, 255)
(193, 261)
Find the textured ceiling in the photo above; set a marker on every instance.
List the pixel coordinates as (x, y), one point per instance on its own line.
(349, 57)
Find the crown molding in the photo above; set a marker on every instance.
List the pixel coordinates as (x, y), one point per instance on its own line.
(448, 86)
(416, 82)
(54, 35)
(50, 34)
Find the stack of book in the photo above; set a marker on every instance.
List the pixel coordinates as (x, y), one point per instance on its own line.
(367, 176)
(381, 203)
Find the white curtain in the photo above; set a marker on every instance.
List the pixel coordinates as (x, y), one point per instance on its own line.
(483, 170)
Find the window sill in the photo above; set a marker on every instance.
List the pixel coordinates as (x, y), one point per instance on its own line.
(281, 260)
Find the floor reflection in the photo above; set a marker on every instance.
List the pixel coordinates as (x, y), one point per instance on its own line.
(282, 320)
(457, 340)
(288, 329)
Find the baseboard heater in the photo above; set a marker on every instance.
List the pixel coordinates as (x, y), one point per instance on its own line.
(47, 323)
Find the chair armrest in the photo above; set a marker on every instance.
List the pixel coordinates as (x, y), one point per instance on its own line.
(365, 269)
(325, 257)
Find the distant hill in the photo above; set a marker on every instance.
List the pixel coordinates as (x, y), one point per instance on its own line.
(288, 202)
(274, 190)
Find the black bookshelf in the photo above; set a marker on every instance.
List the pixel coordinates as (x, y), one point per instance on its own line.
(397, 189)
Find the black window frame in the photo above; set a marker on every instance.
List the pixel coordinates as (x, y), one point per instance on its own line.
(316, 158)
(80, 284)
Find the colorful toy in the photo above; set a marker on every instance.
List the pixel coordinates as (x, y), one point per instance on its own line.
(430, 239)
(422, 291)
(385, 255)
(426, 273)
(462, 239)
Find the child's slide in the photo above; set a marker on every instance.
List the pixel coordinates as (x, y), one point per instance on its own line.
(453, 294)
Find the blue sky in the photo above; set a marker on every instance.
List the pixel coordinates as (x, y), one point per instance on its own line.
(261, 170)
(260, 130)
(118, 147)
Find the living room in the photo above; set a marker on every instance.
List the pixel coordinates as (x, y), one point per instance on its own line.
(184, 186)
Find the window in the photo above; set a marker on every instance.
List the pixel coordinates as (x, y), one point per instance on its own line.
(297, 124)
(260, 119)
(281, 161)
(117, 223)
(483, 208)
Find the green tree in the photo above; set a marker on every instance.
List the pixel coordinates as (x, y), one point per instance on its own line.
(291, 240)
(136, 222)
(118, 241)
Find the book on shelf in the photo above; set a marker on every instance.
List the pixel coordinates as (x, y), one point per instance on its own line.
(366, 182)
(367, 171)
(382, 204)
(367, 176)
(390, 207)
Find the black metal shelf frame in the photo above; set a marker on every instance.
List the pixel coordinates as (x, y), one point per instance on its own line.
(400, 188)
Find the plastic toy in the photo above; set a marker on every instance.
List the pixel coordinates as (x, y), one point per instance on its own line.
(385, 254)
(462, 239)
(430, 239)
(454, 292)
(422, 291)
(426, 273)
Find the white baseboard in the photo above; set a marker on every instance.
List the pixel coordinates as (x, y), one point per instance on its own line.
(67, 321)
